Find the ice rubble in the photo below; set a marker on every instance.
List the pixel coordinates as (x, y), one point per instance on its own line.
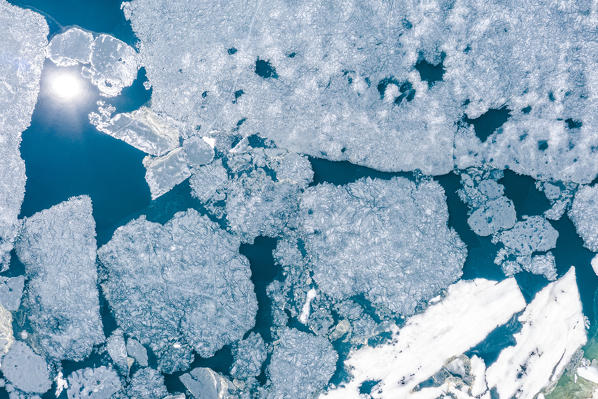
(300, 366)
(71, 47)
(26, 370)
(58, 248)
(257, 192)
(167, 283)
(93, 383)
(371, 236)
(553, 329)
(584, 214)
(428, 340)
(23, 43)
(147, 383)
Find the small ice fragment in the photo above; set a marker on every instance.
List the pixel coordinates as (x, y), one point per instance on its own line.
(493, 216)
(165, 172)
(594, 264)
(6, 333)
(117, 350)
(311, 294)
(198, 151)
(553, 329)
(70, 47)
(25, 369)
(137, 351)
(147, 383)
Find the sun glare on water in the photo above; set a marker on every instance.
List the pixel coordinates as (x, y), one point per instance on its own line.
(67, 86)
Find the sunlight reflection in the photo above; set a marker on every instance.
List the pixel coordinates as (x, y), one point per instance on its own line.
(66, 86)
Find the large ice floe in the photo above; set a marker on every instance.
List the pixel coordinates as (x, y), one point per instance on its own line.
(385, 239)
(178, 287)
(58, 248)
(584, 214)
(22, 56)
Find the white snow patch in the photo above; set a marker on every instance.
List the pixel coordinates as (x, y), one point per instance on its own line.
(553, 329)
(429, 340)
(311, 294)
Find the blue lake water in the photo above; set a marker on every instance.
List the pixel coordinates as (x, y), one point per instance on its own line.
(66, 156)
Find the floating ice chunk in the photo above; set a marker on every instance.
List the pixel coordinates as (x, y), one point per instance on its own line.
(165, 172)
(178, 286)
(532, 234)
(478, 371)
(495, 215)
(311, 294)
(70, 47)
(24, 38)
(6, 334)
(114, 65)
(142, 128)
(429, 340)
(250, 354)
(584, 214)
(147, 383)
(116, 348)
(58, 248)
(387, 240)
(26, 370)
(198, 150)
(137, 351)
(11, 290)
(209, 182)
(301, 365)
(93, 383)
(205, 383)
(544, 265)
(553, 329)
(594, 263)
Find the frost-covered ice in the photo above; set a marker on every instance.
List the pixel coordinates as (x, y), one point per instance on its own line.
(301, 365)
(584, 214)
(203, 383)
(249, 354)
(531, 235)
(24, 38)
(387, 240)
(93, 383)
(258, 191)
(553, 329)
(58, 248)
(178, 286)
(70, 48)
(114, 65)
(147, 383)
(142, 128)
(429, 340)
(26, 370)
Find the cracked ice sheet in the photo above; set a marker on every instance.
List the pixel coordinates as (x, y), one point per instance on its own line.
(553, 330)
(22, 51)
(584, 214)
(322, 89)
(58, 248)
(385, 239)
(428, 340)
